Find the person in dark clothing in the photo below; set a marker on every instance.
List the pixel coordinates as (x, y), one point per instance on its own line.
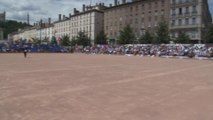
(25, 53)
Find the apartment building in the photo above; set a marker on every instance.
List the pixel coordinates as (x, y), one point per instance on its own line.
(29, 34)
(142, 15)
(90, 20)
(191, 17)
(45, 33)
(39, 31)
(61, 27)
(25, 34)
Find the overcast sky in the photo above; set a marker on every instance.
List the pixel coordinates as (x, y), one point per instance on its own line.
(42, 9)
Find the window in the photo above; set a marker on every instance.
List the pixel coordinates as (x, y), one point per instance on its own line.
(180, 22)
(187, 21)
(194, 21)
(173, 1)
(131, 9)
(173, 22)
(136, 21)
(143, 7)
(156, 12)
(173, 34)
(150, 5)
(173, 12)
(193, 34)
(162, 2)
(136, 8)
(143, 14)
(194, 9)
(162, 12)
(180, 11)
(187, 10)
(156, 4)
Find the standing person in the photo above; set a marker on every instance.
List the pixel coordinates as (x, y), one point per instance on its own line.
(25, 53)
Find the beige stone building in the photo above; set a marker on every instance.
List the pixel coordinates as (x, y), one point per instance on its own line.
(142, 15)
(24, 34)
(90, 20)
(39, 31)
(191, 17)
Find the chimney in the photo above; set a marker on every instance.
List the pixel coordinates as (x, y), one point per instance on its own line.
(74, 11)
(49, 21)
(110, 5)
(70, 15)
(123, 1)
(84, 6)
(41, 22)
(64, 17)
(116, 2)
(59, 17)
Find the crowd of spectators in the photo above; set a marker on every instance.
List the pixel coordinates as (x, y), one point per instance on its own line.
(164, 50)
(169, 50)
(30, 47)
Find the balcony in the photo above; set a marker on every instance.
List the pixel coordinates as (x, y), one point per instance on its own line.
(173, 15)
(184, 3)
(184, 26)
(187, 13)
(194, 12)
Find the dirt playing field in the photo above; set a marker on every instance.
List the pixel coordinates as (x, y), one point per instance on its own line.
(104, 87)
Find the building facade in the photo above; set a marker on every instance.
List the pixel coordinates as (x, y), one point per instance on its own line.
(191, 17)
(3, 17)
(90, 21)
(44, 33)
(141, 15)
(40, 31)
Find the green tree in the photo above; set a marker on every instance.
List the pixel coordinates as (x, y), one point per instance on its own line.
(45, 40)
(53, 41)
(182, 38)
(65, 41)
(126, 36)
(209, 35)
(101, 38)
(83, 39)
(36, 41)
(147, 38)
(162, 34)
(73, 41)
